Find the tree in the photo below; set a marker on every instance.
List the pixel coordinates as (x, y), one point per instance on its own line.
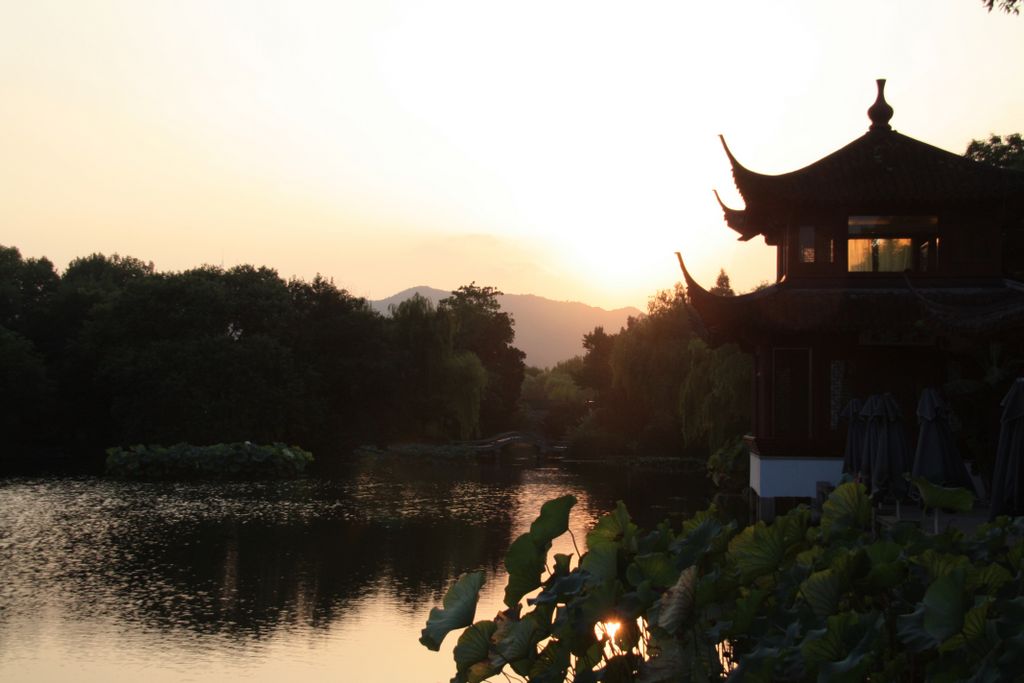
(1008, 6)
(26, 289)
(714, 399)
(337, 339)
(1007, 152)
(558, 402)
(722, 286)
(106, 272)
(26, 398)
(648, 362)
(484, 329)
(89, 285)
(200, 356)
(595, 372)
(439, 388)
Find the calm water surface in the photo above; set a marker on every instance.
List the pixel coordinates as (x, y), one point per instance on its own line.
(326, 579)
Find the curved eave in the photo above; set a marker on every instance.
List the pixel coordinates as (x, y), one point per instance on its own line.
(879, 167)
(732, 300)
(737, 220)
(741, 175)
(722, 316)
(752, 185)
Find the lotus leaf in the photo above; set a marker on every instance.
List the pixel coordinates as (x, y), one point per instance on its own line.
(757, 550)
(517, 641)
(973, 632)
(747, 608)
(945, 606)
(459, 607)
(940, 564)
(615, 528)
(989, 577)
(677, 602)
(658, 567)
(698, 541)
(553, 520)
(822, 591)
(474, 645)
(561, 588)
(601, 562)
(944, 498)
(852, 667)
(525, 563)
(847, 508)
(551, 663)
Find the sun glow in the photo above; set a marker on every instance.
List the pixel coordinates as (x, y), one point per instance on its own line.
(605, 632)
(322, 137)
(607, 628)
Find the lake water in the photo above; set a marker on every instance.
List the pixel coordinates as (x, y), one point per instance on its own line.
(320, 579)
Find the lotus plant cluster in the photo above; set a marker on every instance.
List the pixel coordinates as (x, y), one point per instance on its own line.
(807, 597)
(241, 460)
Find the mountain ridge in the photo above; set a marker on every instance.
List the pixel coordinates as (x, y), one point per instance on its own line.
(548, 331)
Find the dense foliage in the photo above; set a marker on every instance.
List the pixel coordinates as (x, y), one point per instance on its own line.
(801, 599)
(1008, 6)
(1007, 152)
(114, 352)
(659, 389)
(242, 460)
(553, 398)
(483, 329)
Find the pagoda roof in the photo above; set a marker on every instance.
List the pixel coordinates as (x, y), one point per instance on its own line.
(976, 310)
(881, 170)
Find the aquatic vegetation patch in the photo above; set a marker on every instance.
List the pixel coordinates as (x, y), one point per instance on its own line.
(239, 460)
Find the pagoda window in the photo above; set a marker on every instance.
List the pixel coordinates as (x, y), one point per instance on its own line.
(891, 244)
(806, 244)
(880, 255)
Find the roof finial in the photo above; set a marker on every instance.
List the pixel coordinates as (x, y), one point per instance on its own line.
(880, 112)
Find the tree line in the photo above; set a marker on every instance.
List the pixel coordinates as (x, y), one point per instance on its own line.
(113, 352)
(654, 388)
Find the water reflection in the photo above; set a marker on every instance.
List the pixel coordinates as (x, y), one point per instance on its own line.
(325, 578)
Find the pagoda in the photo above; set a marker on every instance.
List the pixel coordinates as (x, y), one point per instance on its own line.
(891, 254)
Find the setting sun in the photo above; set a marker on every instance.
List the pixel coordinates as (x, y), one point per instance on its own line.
(339, 137)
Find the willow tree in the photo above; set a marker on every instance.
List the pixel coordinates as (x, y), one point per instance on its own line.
(482, 328)
(440, 388)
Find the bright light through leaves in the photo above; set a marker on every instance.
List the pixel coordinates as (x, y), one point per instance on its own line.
(609, 628)
(605, 631)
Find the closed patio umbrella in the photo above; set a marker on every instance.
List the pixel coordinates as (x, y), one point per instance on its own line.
(886, 451)
(1008, 477)
(855, 432)
(937, 458)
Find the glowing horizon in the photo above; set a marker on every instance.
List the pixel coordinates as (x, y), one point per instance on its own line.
(562, 150)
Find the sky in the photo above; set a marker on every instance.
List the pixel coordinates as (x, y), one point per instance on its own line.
(558, 148)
